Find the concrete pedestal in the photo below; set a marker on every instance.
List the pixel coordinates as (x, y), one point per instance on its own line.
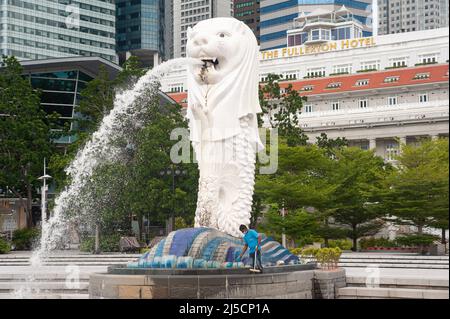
(287, 282)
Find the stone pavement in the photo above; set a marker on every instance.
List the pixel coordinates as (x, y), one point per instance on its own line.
(67, 273)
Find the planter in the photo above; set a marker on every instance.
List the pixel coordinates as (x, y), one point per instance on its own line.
(328, 282)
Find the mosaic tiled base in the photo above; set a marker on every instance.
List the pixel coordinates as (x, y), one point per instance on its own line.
(202, 248)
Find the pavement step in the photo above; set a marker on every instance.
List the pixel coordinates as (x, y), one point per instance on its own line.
(390, 265)
(41, 275)
(394, 261)
(45, 285)
(400, 282)
(13, 256)
(391, 293)
(47, 296)
(393, 256)
(66, 264)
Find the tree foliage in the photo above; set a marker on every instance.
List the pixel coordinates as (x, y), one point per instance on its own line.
(25, 135)
(282, 110)
(417, 192)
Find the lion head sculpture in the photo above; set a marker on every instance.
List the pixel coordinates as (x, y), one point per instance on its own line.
(226, 85)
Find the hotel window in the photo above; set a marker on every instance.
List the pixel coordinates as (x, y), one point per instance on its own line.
(428, 58)
(391, 79)
(334, 85)
(325, 34)
(363, 103)
(421, 76)
(290, 76)
(308, 88)
(315, 72)
(297, 39)
(370, 65)
(342, 68)
(335, 105)
(315, 34)
(423, 97)
(341, 33)
(308, 108)
(391, 151)
(398, 62)
(362, 82)
(392, 100)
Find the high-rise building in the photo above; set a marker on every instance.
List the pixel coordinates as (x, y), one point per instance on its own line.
(140, 30)
(277, 17)
(396, 16)
(248, 12)
(187, 13)
(31, 29)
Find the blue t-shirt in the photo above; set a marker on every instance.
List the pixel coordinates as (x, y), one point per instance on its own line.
(251, 239)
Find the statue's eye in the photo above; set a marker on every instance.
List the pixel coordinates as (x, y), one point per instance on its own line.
(222, 35)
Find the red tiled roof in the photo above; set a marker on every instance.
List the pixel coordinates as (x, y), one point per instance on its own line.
(437, 73)
(180, 98)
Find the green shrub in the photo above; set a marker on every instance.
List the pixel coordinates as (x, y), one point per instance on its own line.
(108, 243)
(296, 251)
(309, 252)
(416, 240)
(5, 247)
(328, 258)
(87, 244)
(344, 244)
(377, 242)
(24, 239)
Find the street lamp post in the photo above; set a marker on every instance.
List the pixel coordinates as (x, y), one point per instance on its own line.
(44, 190)
(172, 171)
(283, 235)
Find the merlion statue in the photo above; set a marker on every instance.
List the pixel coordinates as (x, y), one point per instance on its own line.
(222, 111)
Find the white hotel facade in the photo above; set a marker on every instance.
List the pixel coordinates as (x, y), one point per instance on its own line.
(376, 92)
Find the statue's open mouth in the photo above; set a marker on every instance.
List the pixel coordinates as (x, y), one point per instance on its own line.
(210, 63)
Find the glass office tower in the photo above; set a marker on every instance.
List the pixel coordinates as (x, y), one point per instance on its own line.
(41, 29)
(140, 30)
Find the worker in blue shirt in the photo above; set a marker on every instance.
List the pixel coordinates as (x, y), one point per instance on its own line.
(252, 241)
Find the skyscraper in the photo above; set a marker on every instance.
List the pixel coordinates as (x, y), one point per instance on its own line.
(396, 16)
(248, 12)
(277, 17)
(31, 29)
(187, 13)
(140, 30)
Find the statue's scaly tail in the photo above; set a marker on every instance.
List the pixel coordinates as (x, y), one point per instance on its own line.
(240, 213)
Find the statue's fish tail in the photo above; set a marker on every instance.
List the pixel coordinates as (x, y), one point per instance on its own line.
(229, 222)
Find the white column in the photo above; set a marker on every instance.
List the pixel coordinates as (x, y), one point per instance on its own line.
(373, 143)
(401, 143)
(155, 59)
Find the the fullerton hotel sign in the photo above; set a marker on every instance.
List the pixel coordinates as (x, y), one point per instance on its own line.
(318, 48)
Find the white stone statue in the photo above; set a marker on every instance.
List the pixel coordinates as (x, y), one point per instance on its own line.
(222, 107)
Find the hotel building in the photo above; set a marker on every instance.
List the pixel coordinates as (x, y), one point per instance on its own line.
(375, 91)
